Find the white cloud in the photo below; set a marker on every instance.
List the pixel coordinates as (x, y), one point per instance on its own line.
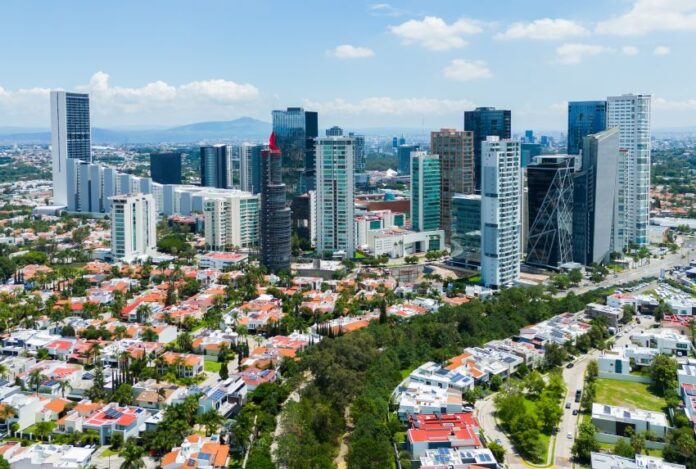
(543, 29)
(346, 51)
(646, 16)
(662, 50)
(629, 50)
(434, 33)
(385, 9)
(575, 53)
(662, 104)
(389, 106)
(463, 70)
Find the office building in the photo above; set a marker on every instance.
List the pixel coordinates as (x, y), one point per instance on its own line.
(500, 212)
(165, 168)
(527, 153)
(231, 220)
(295, 130)
(133, 226)
(403, 157)
(70, 138)
(359, 157)
(594, 199)
(335, 190)
(484, 122)
(216, 166)
(456, 151)
(550, 210)
(304, 217)
(584, 118)
(275, 215)
(250, 167)
(334, 131)
(631, 114)
(529, 136)
(465, 246)
(425, 191)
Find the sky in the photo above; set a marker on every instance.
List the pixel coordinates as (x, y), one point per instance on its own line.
(411, 64)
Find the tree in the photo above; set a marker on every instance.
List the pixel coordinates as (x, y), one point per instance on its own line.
(97, 391)
(149, 335)
(498, 451)
(35, 379)
(575, 276)
(64, 386)
(628, 312)
(550, 413)
(132, 456)
(585, 443)
(123, 394)
(680, 445)
(534, 383)
(495, 383)
(663, 372)
(43, 429)
(554, 355)
(116, 440)
(624, 448)
(224, 371)
(3, 463)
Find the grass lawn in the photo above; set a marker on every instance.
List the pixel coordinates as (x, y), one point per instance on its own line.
(609, 448)
(213, 367)
(108, 452)
(627, 394)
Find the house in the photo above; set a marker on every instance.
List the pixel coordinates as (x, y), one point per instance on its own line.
(415, 398)
(688, 395)
(441, 431)
(104, 419)
(186, 365)
(221, 260)
(614, 420)
(619, 359)
(458, 458)
(686, 374)
(152, 395)
(665, 341)
(198, 452)
(641, 461)
(26, 409)
(254, 377)
(44, 456)
(612, 315)
(226, 397)
(432, 374)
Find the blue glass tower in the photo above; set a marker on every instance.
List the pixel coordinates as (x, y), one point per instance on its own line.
(484, 122)
(584, 118)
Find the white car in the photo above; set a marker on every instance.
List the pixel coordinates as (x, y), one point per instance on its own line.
(569, 436)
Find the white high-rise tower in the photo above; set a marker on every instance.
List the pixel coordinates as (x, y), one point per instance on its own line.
(70, 138)
(630, 113)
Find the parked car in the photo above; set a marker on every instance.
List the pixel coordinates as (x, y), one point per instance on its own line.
(575, 411)
(570, 365)
(567, 405)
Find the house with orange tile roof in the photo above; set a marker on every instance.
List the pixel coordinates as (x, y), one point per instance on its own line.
(186, 365)
(198, 452)
(427, 431)
(253, 377)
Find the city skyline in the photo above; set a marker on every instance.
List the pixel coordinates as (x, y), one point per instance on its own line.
(433, 61)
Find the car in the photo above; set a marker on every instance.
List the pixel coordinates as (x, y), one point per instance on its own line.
(567, 405)
(570, 365)
(468, 409)
(575, 411)
(569, 436)
(498, 441)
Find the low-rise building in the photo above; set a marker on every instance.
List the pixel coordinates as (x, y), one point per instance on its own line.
(198, 452)
(614, 420)
(664, 340)
(221, 260)
(398, 242)
(44, 456)
(612, 315)
(451, 458)
(619, 359)
(441, 431)
(415, 398)
(641, 461)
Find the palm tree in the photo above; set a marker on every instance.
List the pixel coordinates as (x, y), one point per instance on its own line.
(148, 335)
(94, 351)
(4, 371)
(6, 413)
(64, 386)
(35, 379)
(132, 456)
(161, 393)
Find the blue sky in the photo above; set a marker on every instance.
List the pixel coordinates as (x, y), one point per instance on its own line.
(359, 63)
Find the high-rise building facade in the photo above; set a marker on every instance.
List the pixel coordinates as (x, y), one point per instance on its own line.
(484, 122)
(550, 210)
(133, 226)
(425, 191)
(334, 131)
(359, 145)
(335, 195)
(165, 168)
(594, 200)
(231, 220)
(216, 166)
(528, 151)
(456, 151)
(466, 230)
(250, 167)
(584, 118)
(630, 113)
(275, 214)
(71, 138)
(403, 157)
(500, 212)
(295, 130)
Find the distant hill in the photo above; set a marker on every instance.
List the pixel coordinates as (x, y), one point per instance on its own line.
(238, 129)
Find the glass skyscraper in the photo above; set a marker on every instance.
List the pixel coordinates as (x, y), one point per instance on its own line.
(165, 168)
(403, 157)
(466, 230)
(584, 118)
(425, 191)
(216, 166)
(275, 215)
(295, 131)
(359, 143)
(70, 138)
(484, 122)
(250, 167)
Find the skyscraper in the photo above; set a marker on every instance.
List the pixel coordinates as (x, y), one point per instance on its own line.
(528, 151)
(584, 118)
(403, 158)
(500, 212)
(550, 210)
(70, 138)
(594, 199)
(295, 131)
(359, 160)
(250, 167)
(425, 191)
(231, 220)
(456, 151)
(631, 114)
(165, 168)
(484, 122)
(335, 190)
(334, 131)
(216, 166)
(466, 230)
(133, 226)
(275, 215)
